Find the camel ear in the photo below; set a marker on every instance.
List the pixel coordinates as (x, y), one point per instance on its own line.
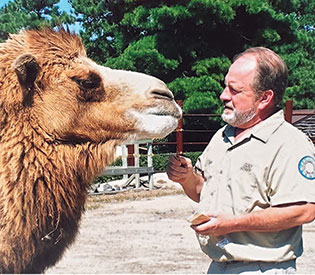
(26, 69)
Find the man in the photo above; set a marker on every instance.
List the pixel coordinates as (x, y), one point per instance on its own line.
(255, 179)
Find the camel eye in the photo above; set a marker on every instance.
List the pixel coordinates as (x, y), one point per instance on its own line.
(91, 88)
(92, 82)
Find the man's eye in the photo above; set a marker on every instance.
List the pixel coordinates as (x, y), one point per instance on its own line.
(234, 91)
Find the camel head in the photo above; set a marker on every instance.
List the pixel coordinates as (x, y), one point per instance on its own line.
(73, 99)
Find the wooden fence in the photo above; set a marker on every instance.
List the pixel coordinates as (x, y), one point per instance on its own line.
(295, 116)
(289, 114)
(130, 152)
(131, 168)
(179, 143)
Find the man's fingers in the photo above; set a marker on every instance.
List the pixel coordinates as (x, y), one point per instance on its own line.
(181, 161)
(177, 168)
(176, 171)
(175, 176)
(208, 228)
(174, 160)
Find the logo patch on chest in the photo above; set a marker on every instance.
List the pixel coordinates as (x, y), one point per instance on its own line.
(247, 167)
(307, 167)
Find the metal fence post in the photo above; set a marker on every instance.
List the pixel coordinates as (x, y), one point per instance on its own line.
(150, 164)
(179, 132)
(124, 156)
(137, 164)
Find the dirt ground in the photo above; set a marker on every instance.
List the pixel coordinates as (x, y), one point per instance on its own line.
(148, 236)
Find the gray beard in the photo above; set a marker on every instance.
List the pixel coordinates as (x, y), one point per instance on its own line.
(237, 118)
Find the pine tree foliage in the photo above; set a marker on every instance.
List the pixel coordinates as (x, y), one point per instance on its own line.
(190, 43)
(187, 43)
(26, 14)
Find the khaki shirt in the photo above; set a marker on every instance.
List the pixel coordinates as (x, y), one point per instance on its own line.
(272, 164)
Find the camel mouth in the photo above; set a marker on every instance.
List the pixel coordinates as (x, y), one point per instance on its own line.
(165, 114)
(174, 111)
(154, 122)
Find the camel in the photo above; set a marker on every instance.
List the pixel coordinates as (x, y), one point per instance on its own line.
(61, 118)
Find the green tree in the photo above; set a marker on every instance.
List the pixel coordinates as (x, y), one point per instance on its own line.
(300, 55)
(25, 14)
(190, 43)
(187, 43)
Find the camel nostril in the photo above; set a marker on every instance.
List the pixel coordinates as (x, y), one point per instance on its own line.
(162, 94)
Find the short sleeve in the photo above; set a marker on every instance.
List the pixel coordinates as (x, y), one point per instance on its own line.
(292, 174)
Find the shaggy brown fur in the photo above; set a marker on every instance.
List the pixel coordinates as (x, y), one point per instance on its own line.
(59, 124)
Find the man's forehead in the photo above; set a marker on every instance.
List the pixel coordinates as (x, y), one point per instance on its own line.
(242, 69)
(245, 62)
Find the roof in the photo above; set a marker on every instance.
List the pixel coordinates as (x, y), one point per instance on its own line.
(305, 121)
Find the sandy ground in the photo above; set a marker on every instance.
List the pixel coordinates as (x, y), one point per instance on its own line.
(148, 236)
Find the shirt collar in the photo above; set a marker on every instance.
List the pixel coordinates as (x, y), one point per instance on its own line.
(262, 131)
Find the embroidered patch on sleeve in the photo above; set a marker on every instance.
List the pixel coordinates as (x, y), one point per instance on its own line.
(307, 167)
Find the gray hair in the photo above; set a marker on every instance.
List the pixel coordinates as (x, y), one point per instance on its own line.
(271, 72)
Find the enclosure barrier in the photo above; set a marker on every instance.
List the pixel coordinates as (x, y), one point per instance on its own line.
(130, 168)
(295, 116)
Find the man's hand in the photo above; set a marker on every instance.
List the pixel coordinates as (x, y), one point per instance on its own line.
(271, 219)
(219, 224)
(179, 168)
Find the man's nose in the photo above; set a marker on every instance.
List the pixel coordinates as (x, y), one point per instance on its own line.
(225, 95)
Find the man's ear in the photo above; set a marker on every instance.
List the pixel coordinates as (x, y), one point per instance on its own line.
(266, 100)
(26, 69)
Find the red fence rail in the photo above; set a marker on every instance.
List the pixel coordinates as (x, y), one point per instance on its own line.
(180, 130)
(179, 142)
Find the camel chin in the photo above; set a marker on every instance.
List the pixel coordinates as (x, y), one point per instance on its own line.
(154, 122)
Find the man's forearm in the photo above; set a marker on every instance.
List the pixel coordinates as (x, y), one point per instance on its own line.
(276, 218)
(272, 219)
(192, 186)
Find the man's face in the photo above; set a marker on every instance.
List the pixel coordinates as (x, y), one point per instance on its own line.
(240, 104)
